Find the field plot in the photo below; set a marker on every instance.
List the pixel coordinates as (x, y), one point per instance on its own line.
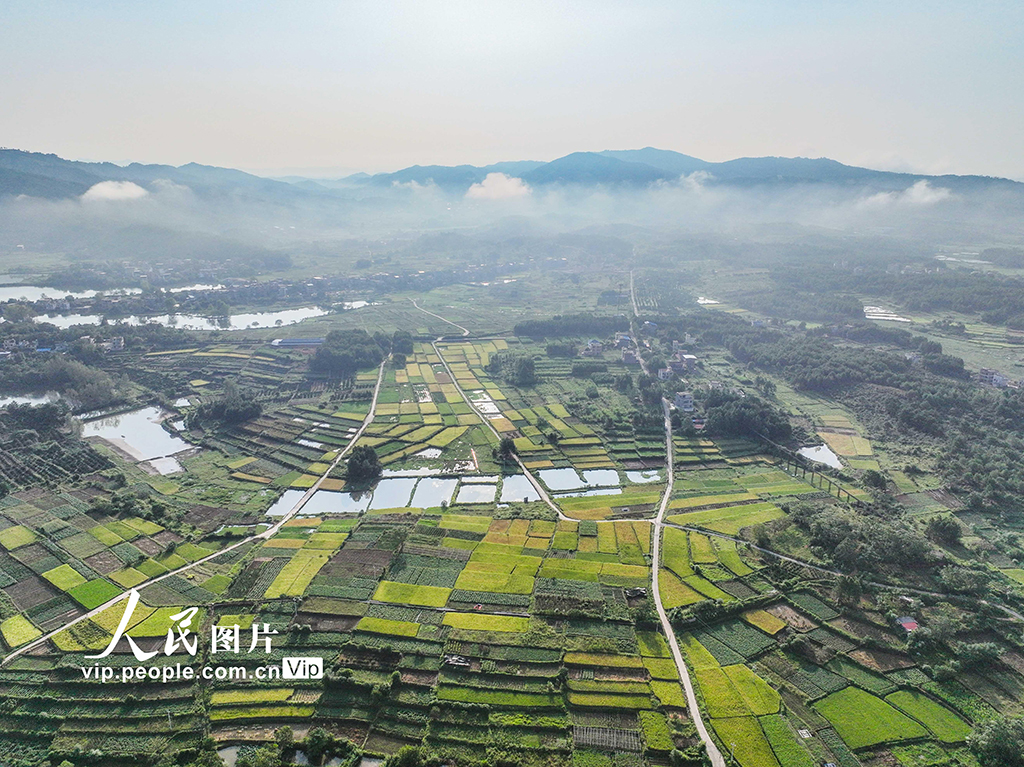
(863, 720)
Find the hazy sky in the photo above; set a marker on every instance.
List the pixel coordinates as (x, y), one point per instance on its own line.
(325, 88)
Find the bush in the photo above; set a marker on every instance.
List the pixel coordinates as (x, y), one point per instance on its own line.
(363, 465)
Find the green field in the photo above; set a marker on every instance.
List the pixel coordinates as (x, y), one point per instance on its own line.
(407, 593)
(944, 724)
(484, 622)
(863, 720)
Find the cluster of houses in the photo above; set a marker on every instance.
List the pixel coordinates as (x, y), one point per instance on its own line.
(990, 377)
(11, 345)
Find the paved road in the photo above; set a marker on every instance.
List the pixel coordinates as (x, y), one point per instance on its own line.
(465, 331)
(260, 536)
(529, 475)
(684, 675)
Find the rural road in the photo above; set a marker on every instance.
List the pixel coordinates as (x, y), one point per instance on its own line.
(529, 475)
(465, 331)
(684, 675)
(260, 536)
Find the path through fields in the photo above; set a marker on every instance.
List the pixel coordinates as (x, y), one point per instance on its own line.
(270, 531)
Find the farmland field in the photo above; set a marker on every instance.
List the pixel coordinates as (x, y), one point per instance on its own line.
(478, 583)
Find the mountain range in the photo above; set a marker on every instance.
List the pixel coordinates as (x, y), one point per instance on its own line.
(49, 176)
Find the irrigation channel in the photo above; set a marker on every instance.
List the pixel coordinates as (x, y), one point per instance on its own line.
(270, 531)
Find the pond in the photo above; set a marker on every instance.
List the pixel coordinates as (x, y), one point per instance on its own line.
(431, 491)
(138, 433)
(166, 465)
(601, 477)
(28, 399)
(643, 477)
(517, 488)
(35, 293)
(595, 491)
(322, 502)
(193, 321)
(392, 493)
(561, 479)
(821, 454)
(477, 494)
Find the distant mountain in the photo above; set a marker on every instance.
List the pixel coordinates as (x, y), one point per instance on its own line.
(459, 177)
(588, 168)
(49, 176)
(663, 159)
(640, 167)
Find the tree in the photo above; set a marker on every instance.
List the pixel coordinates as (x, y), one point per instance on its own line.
(874, 479)
(944, 530)
(265, 756)
(363, 465)
(317, 744)
(344, 352)
(999, 743)
(506, 449)
(234, 406)
(406, 756)
(848, 590)
(285, 738)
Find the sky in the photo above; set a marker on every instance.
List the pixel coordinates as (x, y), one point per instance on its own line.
(327, 88)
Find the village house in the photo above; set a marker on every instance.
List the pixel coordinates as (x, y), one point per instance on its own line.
(683, 401)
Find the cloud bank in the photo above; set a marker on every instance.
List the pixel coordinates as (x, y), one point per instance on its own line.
(920, 194)
(498, 186)
(115, 190)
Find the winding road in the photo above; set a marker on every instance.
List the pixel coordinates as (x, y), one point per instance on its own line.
(714, 754)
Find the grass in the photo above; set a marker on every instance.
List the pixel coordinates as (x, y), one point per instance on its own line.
(16, 537)
(720, 695)
(669, 693)
(765, 621)
(407, 593)
(261, 712)
(675, 593)
(787, 748)
(653, 645)
(493, 697)
(742, 736)
(676, 552)
(944, 724)
(105, 536)
(605, 661)
(729, 520)
(17, 630)
(93, 593)
(485, 622)
(385, 626)
(758, 696)
(863, 720)
(657, 733)
(231, 697)
(128, 577)
(297, 574)
(661, 668)
(606, 700)
(64, 577)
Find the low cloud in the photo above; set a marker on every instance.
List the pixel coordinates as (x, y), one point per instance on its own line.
(498, 186)
(115, 190)
(920, 194)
